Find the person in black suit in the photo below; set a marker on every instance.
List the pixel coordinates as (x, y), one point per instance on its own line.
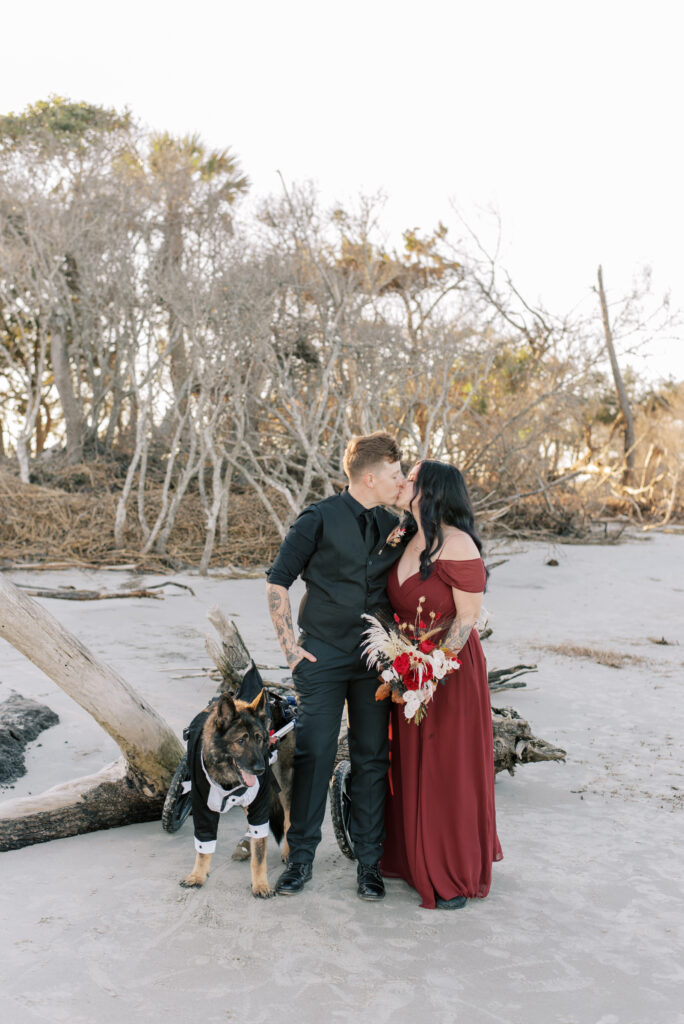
(342, 547)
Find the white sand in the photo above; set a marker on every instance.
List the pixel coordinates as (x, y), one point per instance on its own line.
(585, 920)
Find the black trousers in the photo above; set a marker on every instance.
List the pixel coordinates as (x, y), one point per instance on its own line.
(322, 688)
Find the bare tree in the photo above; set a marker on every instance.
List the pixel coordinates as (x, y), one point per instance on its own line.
(23, 349)
(206, 352)
(189, 188)
(62, 183)
(623, 399)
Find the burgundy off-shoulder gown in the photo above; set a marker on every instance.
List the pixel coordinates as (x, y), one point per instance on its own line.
(440, 816)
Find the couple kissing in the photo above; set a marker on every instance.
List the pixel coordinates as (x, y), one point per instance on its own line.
(431, 819)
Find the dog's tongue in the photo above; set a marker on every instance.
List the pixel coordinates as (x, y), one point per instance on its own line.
(248, 779)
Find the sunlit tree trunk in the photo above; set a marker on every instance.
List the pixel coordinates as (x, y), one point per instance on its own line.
(73, 418)
(623, 399)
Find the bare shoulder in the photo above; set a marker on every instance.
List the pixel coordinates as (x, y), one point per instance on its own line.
(459, 546)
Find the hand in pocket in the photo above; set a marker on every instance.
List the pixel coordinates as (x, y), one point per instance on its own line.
(297, 655)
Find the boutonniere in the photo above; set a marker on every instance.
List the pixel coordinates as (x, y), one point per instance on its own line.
(393, 538)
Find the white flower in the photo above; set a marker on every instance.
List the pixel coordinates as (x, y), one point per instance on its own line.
(440, 663)
(388, 675)
(412, 701)
(427, 691)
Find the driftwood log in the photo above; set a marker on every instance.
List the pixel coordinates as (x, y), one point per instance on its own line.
(507, 678)
(133, 788)
(129, 790)
(73, 594)
(514, 742)
(230, 656)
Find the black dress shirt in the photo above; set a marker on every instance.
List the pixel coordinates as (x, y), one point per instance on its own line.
(302, 537)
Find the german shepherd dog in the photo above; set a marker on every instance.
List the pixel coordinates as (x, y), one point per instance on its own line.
(232, 754)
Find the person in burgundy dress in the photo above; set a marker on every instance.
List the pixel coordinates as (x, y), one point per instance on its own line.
(440, 817)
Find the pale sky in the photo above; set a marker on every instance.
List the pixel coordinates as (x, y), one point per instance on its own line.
(565, 117)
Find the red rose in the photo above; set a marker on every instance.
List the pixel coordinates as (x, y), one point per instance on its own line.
(426, 646)
(401, 664)
(410, 681)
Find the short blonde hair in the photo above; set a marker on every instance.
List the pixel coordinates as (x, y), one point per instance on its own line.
(367, 450)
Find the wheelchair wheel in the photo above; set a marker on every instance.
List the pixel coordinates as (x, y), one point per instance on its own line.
(178, 804)
(340, 807)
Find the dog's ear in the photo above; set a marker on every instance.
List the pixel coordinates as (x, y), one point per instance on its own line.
(225, 712)
(257, 706)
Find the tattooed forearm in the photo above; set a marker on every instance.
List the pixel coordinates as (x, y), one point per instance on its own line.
(281, 616)
(457, 637)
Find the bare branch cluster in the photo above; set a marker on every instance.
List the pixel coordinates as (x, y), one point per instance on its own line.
(204, 354)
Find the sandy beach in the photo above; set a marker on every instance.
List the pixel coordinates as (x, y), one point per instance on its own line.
(585, 920)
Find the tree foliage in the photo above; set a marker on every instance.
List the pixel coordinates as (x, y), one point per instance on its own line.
(146, 318)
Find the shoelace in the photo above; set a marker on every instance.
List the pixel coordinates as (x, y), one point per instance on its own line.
(370, 872)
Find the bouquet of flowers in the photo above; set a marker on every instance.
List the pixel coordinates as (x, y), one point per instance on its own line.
(412, 663)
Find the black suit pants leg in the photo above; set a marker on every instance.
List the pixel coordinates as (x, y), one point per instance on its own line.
(322, 688)
(369, 756)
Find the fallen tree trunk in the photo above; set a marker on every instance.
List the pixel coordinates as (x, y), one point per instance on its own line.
(72, 594)
(112, 797)
(503, 678)
(130, 790)
(514, 742)
(83, 595)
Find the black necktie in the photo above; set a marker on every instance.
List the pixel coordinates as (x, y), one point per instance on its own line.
(368, 520)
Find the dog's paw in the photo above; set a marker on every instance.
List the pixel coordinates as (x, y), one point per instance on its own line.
(192, 882)
(263, 892)
(242, 850)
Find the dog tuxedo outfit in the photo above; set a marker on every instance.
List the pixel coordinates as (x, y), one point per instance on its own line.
(209, 800)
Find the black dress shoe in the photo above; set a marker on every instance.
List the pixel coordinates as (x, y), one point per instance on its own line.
(370, 883)
(456, 903)
(293, 879)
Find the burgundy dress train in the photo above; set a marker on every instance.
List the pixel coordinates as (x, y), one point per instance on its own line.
(440, 817)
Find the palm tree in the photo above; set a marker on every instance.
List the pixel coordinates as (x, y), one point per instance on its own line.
(189, 185)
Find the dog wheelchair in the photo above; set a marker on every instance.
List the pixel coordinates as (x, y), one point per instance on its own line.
(282, 710)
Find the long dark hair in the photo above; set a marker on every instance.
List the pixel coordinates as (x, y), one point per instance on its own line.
(444, 498)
